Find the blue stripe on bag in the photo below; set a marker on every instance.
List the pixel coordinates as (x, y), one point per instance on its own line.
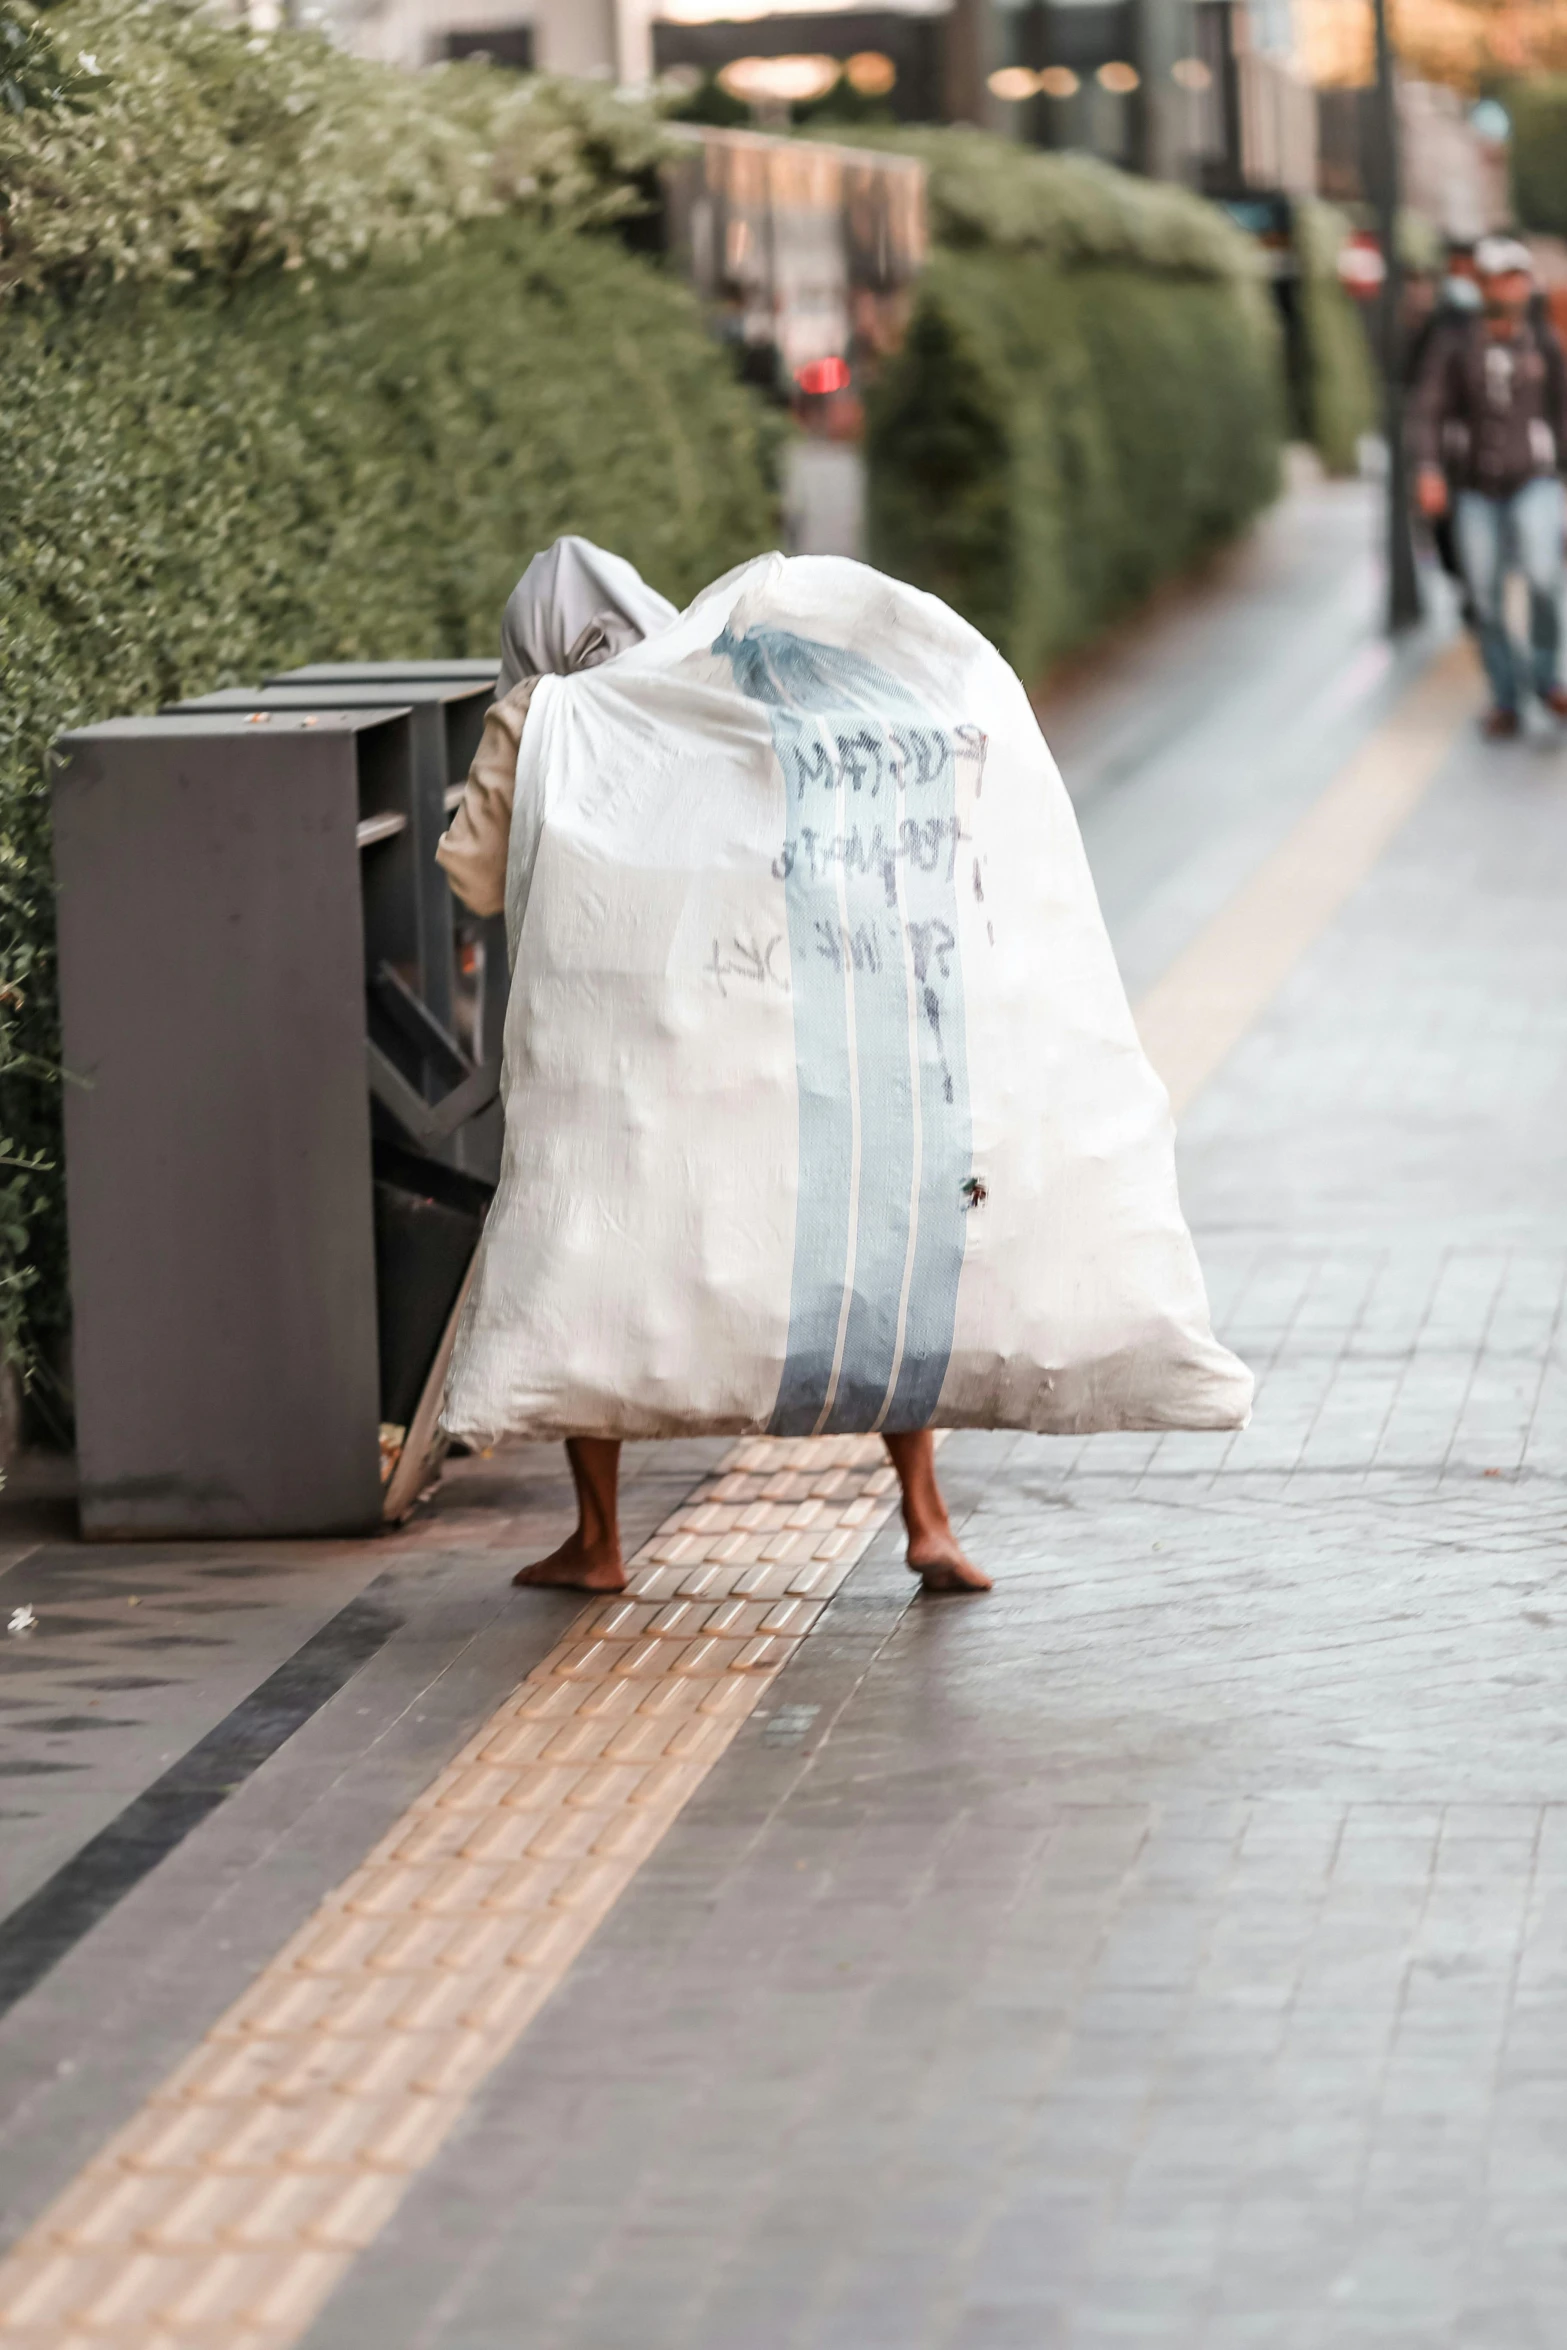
(945, 1122)
(871, 906)
(826, 1146)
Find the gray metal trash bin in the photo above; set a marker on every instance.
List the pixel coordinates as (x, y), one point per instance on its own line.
(379, 673)
(481, 941)
(251, 1261)
(457, 1019)
(446, 721)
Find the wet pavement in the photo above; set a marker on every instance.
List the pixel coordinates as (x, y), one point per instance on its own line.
(1165, 1950)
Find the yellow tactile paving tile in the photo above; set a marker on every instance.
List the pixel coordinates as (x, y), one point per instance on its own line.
(223, 2214)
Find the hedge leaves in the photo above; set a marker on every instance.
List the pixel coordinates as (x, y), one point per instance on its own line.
(1078, 411)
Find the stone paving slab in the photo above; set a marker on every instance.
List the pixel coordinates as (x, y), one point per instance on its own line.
(242, 2189)
(1164, 1951)
(1194, 741)
(1167, 1950)
(141, 1649)
(80, 2053)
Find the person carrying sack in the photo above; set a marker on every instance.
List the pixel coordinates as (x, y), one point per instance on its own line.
(825, 1113)
(574, 608)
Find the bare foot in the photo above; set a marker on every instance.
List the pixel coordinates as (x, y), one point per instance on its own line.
(575, 1567)
(590, 1560)
(934, 1553)
(941, 1565)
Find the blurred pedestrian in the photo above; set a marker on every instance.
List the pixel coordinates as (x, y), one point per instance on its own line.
(1456, 306)
(574, 607)
(1490, 417)
(1457, 302)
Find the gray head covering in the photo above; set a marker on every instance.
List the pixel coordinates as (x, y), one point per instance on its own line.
(572, 588)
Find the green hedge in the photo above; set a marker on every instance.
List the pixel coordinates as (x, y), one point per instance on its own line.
(1069, 209)
(1089, 398)
(1539, 153)
(199, 486)
(186, 147)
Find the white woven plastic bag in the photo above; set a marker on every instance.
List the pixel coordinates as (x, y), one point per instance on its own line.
(824, 1107)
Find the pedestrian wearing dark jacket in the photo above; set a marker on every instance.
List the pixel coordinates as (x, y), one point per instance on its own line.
(1490, 416)
(1451, 315)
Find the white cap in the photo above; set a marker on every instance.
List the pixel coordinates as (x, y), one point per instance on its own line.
(1502, 257)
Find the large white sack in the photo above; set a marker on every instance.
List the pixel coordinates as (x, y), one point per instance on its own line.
(824, 1107)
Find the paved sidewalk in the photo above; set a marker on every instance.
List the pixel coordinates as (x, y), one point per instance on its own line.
(1163, 1951)
(1168, 1950)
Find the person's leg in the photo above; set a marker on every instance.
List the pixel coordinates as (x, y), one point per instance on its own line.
(1444, 537)
(589, 1559)
(934, 1553)
(1537, 525)
(1482, 544)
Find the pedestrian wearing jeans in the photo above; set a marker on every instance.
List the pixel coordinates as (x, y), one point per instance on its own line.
(1490, 417)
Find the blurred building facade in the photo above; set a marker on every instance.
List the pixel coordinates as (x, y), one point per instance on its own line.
(1451, 175)
(1209, 92)
(548, 36)
(1233, 97)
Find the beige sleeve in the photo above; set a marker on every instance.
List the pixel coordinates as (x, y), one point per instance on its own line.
(472, 850)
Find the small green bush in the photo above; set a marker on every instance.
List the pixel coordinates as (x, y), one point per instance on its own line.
(1088, 399)
(1539, 153)
(197, 486)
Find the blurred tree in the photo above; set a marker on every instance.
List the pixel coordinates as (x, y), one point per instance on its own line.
(34, 79)
(32, 71)
(205, 149)
(1539, 153)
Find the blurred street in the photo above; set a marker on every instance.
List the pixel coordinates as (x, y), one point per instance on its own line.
(1166, 1950)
